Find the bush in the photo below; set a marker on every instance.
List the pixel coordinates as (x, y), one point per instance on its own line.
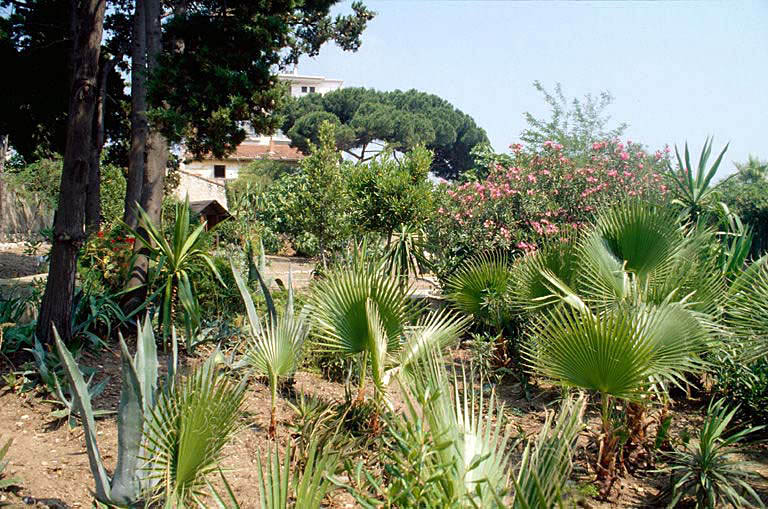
(535, 197)
(742, 385)
(750, 201)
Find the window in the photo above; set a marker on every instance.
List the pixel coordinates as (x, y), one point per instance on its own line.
(311, 90)
(219, 171)
(303, 90)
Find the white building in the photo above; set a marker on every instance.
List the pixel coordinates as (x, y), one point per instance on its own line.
(205, 180)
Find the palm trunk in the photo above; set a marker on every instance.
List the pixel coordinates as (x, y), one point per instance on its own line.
(69, 223)
(138, 151)
(3, 154)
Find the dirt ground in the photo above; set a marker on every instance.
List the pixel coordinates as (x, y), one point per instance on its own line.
(51, 459)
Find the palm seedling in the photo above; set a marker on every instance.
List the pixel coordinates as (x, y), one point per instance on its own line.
(186, 431)
(174, 258)
(694, 192)
(10, 481)
(275, 349)
(363, 313)
(707, 469)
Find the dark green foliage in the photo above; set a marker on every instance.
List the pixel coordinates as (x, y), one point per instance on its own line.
(746, 194)
(707, 470)
(742, 385)
(403, 120)
(206, 91)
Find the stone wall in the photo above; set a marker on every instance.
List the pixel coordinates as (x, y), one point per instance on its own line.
(21, 218)
(200, 188)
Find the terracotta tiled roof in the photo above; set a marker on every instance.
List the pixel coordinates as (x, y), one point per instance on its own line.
(279, 151)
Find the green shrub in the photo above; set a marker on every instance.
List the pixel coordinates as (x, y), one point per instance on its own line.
(742, 385)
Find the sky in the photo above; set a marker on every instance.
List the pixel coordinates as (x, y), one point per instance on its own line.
(678, 70)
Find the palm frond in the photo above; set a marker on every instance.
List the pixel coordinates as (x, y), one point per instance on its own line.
(479, 284)
(747, 308)
(187, 431)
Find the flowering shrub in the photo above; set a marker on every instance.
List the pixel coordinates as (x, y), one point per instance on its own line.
(107, 257)
(538, 194)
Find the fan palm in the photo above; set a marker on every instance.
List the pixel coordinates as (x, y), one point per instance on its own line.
(747, 308)
(187, 430)
(479, 288)
(174, 258)
(363, 312)
(275, 349)
(620, 353)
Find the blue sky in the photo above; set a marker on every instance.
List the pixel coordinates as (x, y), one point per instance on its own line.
(678, 70)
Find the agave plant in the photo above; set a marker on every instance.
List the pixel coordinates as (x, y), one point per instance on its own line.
(694, 192)
(137, 398)
(174, 258)
(479, 288)
(405, 255)
(275, 349)
(186, 431)
(707, 469)
(363, 312)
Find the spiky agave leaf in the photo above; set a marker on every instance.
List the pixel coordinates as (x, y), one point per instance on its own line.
(477, 286)
(471, 429)
(747, 309)
(187, 431)
(547, 463)
(619, 352)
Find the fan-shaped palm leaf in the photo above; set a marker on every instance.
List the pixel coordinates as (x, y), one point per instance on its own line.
(187, 430)
(747, 308)
(479, 287)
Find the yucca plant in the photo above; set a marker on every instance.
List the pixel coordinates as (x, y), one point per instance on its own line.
(479, 288)
(186, 431)
(275, 349)
(694, 192)
(405, 255)
(8, 482)
(281, 487)
(547, 460)
(708, 471)
(174, 258)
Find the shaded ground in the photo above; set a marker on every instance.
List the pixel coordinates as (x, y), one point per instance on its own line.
(16, 260)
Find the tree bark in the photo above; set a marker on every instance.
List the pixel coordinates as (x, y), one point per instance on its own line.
(93, 193)
(69, 224)
(138, 151)
(154, 171)
(3, 155)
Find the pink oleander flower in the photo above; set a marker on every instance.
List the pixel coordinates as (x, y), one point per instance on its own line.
(624, 156)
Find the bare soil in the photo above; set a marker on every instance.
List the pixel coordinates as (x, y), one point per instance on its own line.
(51, 459)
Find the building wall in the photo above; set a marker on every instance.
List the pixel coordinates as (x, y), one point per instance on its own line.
(205, 168)
(200, 188)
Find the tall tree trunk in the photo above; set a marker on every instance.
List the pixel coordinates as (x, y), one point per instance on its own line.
(157, 160)
(68, 227)
(93, 194)
(3, 155)
(138, 152)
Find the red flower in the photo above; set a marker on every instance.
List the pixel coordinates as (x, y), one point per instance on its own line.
(100, 234)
